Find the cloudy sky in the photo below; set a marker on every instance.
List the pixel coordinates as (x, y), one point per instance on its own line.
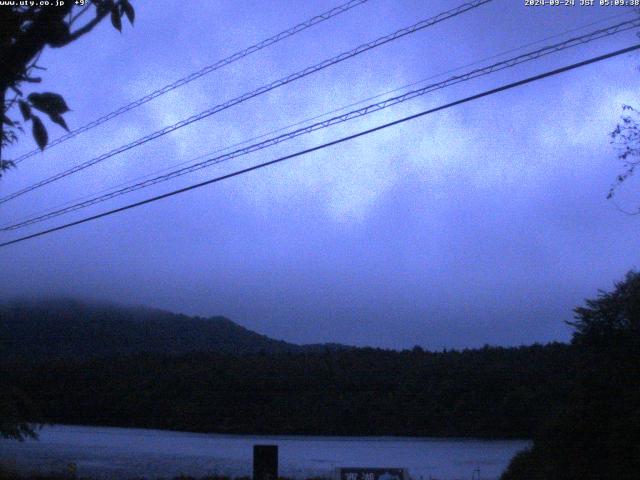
(481, 224)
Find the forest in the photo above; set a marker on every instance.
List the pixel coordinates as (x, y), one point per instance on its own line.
(490, 392)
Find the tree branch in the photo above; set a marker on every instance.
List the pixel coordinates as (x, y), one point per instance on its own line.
(79, 14)
(84, 30)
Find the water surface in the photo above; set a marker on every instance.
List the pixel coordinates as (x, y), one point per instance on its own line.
(109, 453)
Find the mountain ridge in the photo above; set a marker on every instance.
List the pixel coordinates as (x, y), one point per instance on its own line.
(72, 328)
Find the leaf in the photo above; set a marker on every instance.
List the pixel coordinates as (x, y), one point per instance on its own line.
(128, 10)
(39, 132)
(57, 118)
(115, 19)
(48, 102)
(25, 109)
(7, 121)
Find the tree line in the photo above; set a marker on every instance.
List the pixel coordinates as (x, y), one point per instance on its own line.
(490, 392)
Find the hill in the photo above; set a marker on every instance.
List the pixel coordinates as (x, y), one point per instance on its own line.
(101, 364)
(81, 330)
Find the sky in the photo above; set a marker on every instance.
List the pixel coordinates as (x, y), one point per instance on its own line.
(485, 223)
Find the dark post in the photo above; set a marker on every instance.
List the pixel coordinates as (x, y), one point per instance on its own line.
(265, 462)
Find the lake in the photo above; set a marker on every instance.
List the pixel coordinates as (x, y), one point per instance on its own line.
(109, 453)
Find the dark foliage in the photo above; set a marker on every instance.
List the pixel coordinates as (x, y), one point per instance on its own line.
(597, 435)
(626, 137)
(16, 409)
(27, 29)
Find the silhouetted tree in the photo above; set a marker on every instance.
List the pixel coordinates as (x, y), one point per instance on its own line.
(24, 33)
(611, 316)
(626, 136)
(17, 413)
(598, 434)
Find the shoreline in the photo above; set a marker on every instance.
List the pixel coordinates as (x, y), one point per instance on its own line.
(110, 453)
(285, 436)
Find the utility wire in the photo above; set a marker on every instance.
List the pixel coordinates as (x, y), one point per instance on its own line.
(526, 57)
(309, 119)
(204, 71)
(39, 212)
(264, 89)
(328, 144)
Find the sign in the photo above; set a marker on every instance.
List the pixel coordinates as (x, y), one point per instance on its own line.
(371, 474)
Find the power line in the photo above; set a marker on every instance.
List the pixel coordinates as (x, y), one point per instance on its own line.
(526, 57)
(315, 117)
(309, 119)
(264, 89)
(204, 71)
(328, 144)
